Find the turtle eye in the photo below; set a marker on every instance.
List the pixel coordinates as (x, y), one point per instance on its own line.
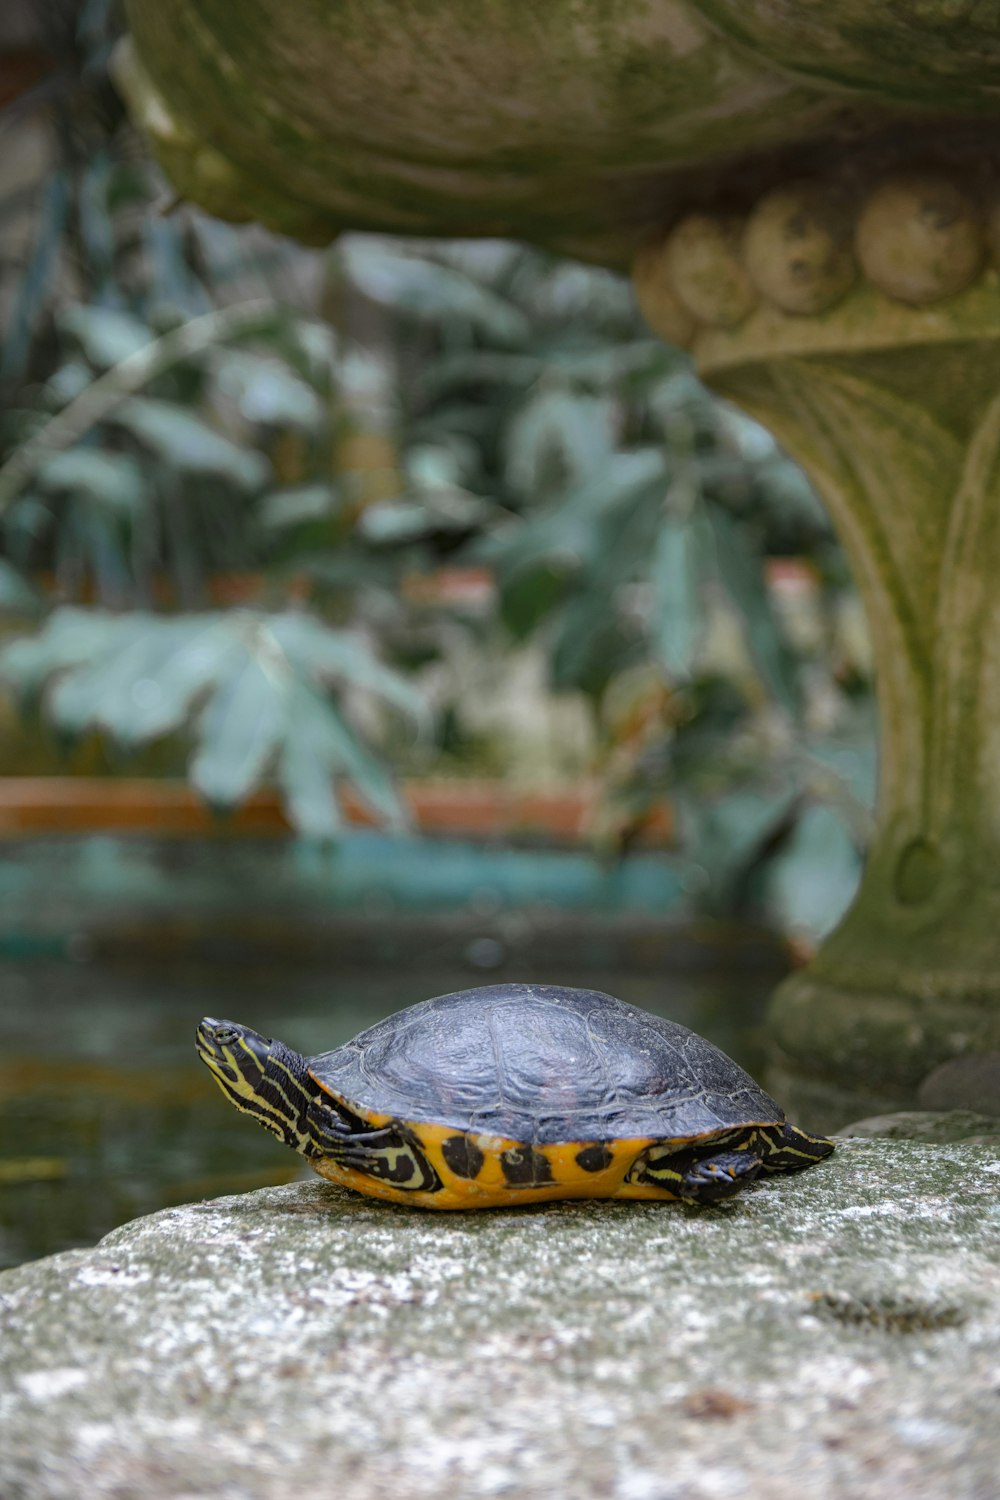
(226, 1035)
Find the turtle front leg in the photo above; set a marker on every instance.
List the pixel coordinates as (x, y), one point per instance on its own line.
(786, 1148)
(708, 1178)
(389, 1154)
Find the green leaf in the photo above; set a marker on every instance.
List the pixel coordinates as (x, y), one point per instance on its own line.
(25, 308)
(557, 436)
(175, 288)
(590, 645)
(95, 225)
(69, 637)
(477, 367)
(391, 522)
(679, 393)
(433, 466)
(16, 594)
(28, 520)
(625, 475)
(674, 575)
(319, 748)
(349, 757)
(558, 541)
(426, 289)
(99, 691)
(189, 443)
(69, 381)
(259, 708)
(788, 493)
(814, 879)
(314, 350)
(529, 594)
(728, 834)
(568, 528)
(607, 368)
(306, 777)
(297, 506)
(196, 653)
(741, 570)
(113, 481)
(240, 731)
(105, 335)
(153, 673)
(265, 390)
(330, 655)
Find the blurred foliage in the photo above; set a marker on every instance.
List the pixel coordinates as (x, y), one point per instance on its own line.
(253, 686)
(151, 374)
(675, 565)
(177, 412)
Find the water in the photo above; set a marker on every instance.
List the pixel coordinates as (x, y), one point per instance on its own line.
(106, 1113)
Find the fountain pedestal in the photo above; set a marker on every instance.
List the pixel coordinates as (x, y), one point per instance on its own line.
(861, 324)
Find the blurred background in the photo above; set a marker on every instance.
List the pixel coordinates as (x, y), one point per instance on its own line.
(374, 620)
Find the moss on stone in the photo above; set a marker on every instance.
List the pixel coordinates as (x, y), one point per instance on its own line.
(836, 1329)
(940, 52)
(433, 116)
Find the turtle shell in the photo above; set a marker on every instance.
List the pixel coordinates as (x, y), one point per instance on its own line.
(543, 1064)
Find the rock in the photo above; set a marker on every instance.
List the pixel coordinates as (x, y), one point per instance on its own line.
(930, 1125)
(968, 1082)
(834, 1333)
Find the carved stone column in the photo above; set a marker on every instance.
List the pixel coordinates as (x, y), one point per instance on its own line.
(860, 321)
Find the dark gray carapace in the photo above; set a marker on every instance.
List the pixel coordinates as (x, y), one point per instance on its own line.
(511, 1094)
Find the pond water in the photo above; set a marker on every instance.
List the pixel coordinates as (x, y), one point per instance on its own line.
(106, 1113)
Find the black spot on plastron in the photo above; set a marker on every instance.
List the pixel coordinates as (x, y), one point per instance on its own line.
(401, 1167)
(594, 1158)
(524, 1167)
(464, 1159)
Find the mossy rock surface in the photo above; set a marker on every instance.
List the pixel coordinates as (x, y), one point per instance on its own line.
(833, 1333)
(940, 1126)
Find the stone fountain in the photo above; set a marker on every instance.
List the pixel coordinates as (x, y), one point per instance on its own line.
(808, 196)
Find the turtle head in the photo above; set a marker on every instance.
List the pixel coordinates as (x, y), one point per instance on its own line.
(261, 1076)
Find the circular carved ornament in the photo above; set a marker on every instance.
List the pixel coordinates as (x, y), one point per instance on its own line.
(916, 237)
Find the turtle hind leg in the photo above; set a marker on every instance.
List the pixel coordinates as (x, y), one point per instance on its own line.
(697, 1177)
(786, 1148)
(714, 1178)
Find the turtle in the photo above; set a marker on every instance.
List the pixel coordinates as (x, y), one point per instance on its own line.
(515, 1093)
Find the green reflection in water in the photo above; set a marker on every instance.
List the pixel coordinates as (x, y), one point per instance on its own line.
(105, 1112)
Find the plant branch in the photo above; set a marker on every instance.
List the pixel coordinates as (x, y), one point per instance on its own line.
(109, 390)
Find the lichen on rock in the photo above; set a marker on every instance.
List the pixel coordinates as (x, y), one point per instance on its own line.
(836, 1331)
